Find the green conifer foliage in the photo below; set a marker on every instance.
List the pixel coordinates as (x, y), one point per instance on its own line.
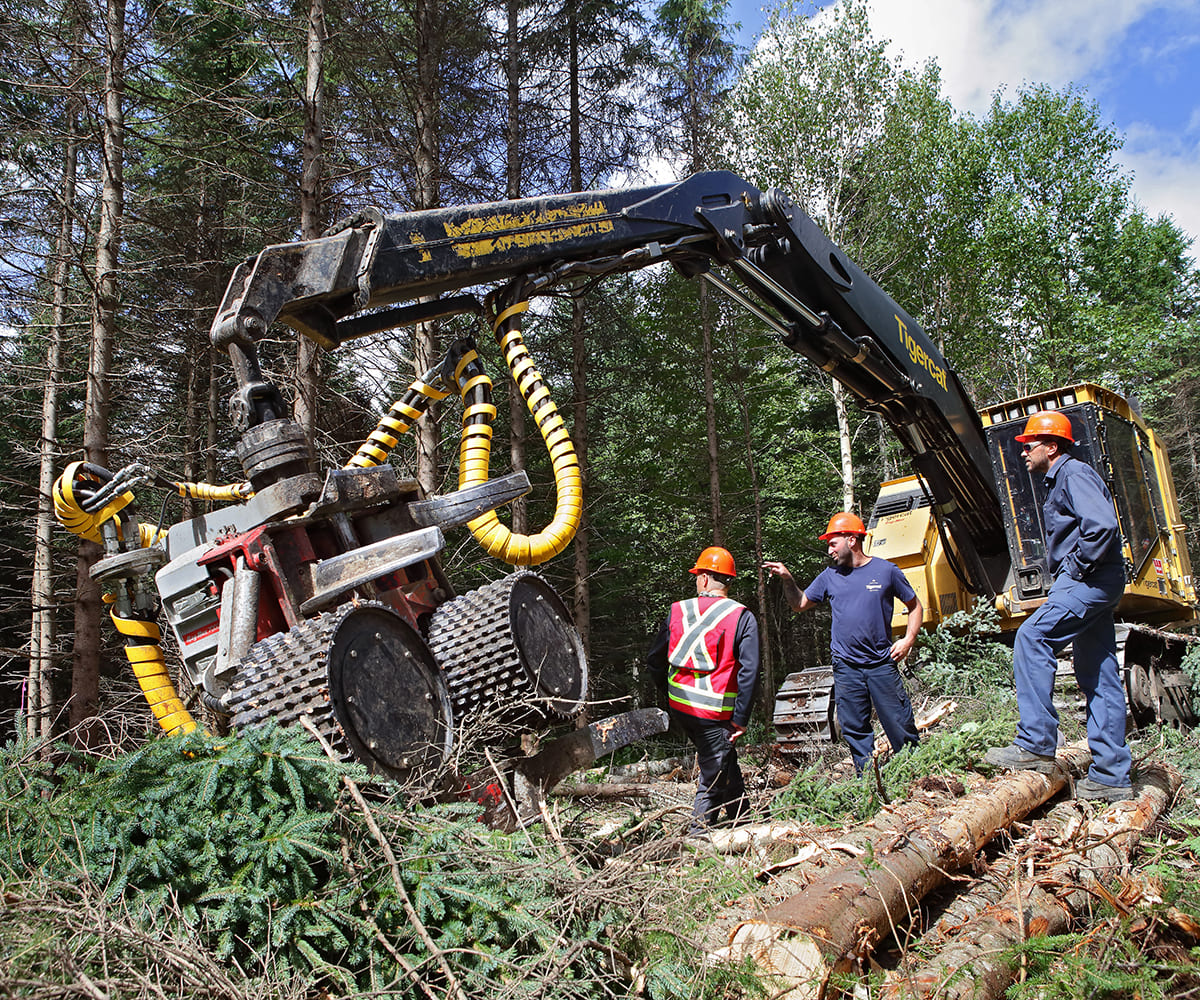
(250, 847)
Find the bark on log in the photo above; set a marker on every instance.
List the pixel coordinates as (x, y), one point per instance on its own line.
(974, 966)
(602, 790)
(841, 916)
(1059, 824)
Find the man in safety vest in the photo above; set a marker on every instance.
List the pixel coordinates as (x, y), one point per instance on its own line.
(706, 660)
(861, 591)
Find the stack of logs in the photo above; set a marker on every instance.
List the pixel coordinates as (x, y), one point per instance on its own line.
(834, 923)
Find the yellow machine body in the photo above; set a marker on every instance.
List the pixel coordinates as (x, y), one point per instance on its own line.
(1116, 441)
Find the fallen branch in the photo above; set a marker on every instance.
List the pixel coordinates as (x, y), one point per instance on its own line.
(397, 882)
(840, 916)
(601, 790)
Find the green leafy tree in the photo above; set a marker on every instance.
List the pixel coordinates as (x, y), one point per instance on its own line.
(805, 111)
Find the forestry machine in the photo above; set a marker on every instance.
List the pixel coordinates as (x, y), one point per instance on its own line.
(321, 598)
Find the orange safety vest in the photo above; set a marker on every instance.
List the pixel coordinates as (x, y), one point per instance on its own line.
(700, 648)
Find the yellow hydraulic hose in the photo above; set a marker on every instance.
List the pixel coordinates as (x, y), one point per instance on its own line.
(142, 638)
(206, 491)
(406, 411)
(476, 448)
(73, 517)
(145, 655)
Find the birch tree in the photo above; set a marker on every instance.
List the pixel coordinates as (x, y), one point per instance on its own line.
(804, 112)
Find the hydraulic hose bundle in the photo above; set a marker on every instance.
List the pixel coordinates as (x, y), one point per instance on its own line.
(88, 502)
(462, 370)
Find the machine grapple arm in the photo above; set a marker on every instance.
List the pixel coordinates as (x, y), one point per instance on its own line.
(374, 272)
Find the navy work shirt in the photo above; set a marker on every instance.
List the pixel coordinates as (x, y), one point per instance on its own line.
(862, 600)
(1081, 525)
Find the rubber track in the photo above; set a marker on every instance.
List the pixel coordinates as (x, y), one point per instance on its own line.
(472, 640)
(285, 677)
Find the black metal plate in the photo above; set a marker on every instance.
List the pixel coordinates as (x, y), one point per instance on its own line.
(388, 693)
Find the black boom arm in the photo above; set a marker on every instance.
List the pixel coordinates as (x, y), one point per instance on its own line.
(374, 272)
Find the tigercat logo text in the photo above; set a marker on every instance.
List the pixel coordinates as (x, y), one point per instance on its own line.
(498, 233)
(917, 353)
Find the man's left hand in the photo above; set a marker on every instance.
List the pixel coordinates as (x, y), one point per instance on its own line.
(736, 732)
(900, 649)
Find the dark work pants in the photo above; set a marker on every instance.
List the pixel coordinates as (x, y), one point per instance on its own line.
(855, 690)
(720, 787)
(1079, 612)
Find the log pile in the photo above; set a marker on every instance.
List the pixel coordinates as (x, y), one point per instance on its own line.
(1058, 898)
(1044, 885)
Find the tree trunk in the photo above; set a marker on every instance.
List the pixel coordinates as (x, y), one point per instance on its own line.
(39, 707)
(843, 422)
(582, 602)
(710, 417)
(972, 966)
(85, 673)
(308, 358)
(840, 917)
(766, 674)
(425, 160)
(579, 434)
(519, 508)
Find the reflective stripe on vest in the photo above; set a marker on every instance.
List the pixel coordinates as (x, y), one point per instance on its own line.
(700, 695)
(691, 652)
(699, 685)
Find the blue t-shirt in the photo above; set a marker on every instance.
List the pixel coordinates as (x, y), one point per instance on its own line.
(862, 601)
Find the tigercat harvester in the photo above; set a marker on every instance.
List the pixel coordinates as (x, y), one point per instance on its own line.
(1112, 438)
(319, 596)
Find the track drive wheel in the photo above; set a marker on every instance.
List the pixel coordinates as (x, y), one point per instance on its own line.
(510, 649)
(365, 679)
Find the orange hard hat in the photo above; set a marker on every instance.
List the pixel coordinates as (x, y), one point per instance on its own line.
(714, 559)
(843, 523)
(1047, 423)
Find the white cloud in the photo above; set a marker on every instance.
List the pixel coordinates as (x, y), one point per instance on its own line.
(986, 45)
(1166, 172)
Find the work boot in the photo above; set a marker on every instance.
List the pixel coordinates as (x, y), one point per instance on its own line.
(1015, 758)
(1097, 791)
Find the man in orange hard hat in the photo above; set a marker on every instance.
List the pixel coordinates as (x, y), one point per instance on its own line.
(1083, 552)
(861, 591)
(705, 658)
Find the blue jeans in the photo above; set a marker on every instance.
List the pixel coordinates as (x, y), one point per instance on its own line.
(1079, 612)
(855, 690)
(720, 787)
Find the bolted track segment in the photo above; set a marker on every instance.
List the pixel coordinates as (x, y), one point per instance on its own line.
(804, 716)
(364, 678)
(510, 649)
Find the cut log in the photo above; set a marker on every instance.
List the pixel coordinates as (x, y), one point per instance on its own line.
(601, 790)
(973, 965)
(1058, 825)
(839, 917)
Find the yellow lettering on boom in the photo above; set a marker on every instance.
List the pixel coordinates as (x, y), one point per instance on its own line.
(918, 355)
(484, 235)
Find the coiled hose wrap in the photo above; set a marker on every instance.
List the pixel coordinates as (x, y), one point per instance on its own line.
(79, 478)
(406, 411)
(464, 370)
(476, 447)
(144, 652)
(71, 491)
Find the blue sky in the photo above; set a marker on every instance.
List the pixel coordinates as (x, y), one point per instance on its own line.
(1139, 60)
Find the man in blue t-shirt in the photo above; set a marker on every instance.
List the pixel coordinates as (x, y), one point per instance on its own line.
(861, 590)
